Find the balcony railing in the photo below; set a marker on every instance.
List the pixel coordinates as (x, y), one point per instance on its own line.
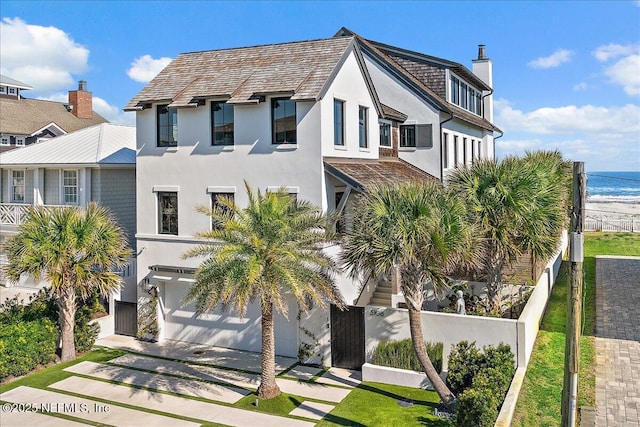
(16, 213)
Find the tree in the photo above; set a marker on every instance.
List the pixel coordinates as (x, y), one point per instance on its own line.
(76, 250)
(420, 229)
(265, 252)
(519, 205)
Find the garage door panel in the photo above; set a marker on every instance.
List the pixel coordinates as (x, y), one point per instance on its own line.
(224, 329)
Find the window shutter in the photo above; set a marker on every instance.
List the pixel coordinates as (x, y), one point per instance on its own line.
(424, 136)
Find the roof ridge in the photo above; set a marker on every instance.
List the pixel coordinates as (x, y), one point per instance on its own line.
(264, 45)
(99, 145)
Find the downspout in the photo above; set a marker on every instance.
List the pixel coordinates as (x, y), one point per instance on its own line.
(482, 100)
(494, 144)
(441, 152)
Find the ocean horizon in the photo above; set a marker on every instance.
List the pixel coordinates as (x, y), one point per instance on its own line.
(613, 186)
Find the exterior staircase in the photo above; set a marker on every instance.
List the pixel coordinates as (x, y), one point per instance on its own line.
(382, 295)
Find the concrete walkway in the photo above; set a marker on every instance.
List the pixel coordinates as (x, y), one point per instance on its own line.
(617, 341)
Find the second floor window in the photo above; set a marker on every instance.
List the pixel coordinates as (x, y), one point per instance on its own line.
(283, 121)
(222, 123)
(167, 120)
(407, 136)
(338, 122)
(70, 187)
(17, 186)
(363, 127)
(385, 134)
(168, 213)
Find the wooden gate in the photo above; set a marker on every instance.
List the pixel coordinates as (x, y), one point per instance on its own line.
(126, 318)
(347, 337)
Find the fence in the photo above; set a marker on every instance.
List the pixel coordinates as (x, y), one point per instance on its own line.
(392, 324)
(629, 224)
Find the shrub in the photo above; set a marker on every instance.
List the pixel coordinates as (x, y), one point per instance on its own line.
(480, 381)
(25, 345)
(465, 360)
(85, 333)
(401, 355)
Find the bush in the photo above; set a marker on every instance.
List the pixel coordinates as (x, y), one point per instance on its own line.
(480, 380)
(401, 355)
(465, 360)
(25, 345)
(85, 333)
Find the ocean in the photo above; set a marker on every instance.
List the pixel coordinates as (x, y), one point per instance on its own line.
(622, 187)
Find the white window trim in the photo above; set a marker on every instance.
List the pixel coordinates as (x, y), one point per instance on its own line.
(11, 186)
(8, 138)
(20, 142)
(61, 186)
(449, 74)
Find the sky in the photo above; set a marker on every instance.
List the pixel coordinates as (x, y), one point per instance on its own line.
(566, 73)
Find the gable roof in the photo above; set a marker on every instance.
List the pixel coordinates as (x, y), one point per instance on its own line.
(102, 144)
(363, 173)
(244, 75)
(26, 116)
(8, 81)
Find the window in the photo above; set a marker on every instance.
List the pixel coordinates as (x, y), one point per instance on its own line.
(385, 134)
(12, 90)
(168, 213)
(363, 127)
(70, 187)
(463, 95)
(455, 150)
(222, 123)
(407, 136)
(445, 150)
(17, 186)
(340, 224)
(455, 88)
(473, 151)
(2, 89)
(283, 121)
(19, 142)
(338, 122)
(479, 103)
(167, 126)
(215, 203)
(472, 100)
(4, 140)
(464, 150)
(479, 150)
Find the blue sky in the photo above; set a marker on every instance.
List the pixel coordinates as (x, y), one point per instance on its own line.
(566, 73)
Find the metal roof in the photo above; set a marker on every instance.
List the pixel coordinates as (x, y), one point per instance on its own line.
(101, 144)
(8, 81)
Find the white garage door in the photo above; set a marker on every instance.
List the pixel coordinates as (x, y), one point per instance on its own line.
(225, 329)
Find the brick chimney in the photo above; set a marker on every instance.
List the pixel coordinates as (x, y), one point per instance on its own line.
(81, 101)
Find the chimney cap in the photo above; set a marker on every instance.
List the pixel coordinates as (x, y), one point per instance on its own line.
(481, 52)
(82, 85)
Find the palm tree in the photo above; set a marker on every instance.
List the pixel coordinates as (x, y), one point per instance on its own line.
(519, 204)
(266, 252)
(421, 230)
(76, 250)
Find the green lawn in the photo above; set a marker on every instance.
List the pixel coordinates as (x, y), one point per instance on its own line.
(540, 397)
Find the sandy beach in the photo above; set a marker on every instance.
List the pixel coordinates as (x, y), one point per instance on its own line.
(612, 209)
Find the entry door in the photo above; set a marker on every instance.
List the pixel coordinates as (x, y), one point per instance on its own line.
(347, 337)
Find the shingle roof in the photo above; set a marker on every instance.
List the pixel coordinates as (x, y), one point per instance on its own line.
(242, 75)
(102, 144)
(363, 173)
(26, 116)
(8, 81)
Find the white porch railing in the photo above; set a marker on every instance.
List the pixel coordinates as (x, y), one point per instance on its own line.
(16, 213)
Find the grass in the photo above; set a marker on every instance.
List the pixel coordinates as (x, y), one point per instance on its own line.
(540, 398)
(375, 404)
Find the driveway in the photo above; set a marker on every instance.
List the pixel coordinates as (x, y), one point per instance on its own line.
(174, 383)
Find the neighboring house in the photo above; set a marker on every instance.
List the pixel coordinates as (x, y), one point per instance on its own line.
(25, 121)
(323, 118)
(92, 164)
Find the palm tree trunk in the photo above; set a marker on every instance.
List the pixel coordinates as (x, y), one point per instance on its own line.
(67, 319)
(415, 325)
(268, 387)
(494, 283)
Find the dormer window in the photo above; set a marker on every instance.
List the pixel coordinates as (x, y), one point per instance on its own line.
(464, 95)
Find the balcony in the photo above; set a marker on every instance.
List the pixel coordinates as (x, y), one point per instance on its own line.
(14, 214)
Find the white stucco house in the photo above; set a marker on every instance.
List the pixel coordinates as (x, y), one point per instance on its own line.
(324, 118)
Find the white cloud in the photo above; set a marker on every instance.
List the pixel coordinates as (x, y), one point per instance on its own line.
(606, 138)
(110, 112)
(580, 87)
(612, 50)
(557, 58)
(626, 73)
(145, 68)
(43, 57)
